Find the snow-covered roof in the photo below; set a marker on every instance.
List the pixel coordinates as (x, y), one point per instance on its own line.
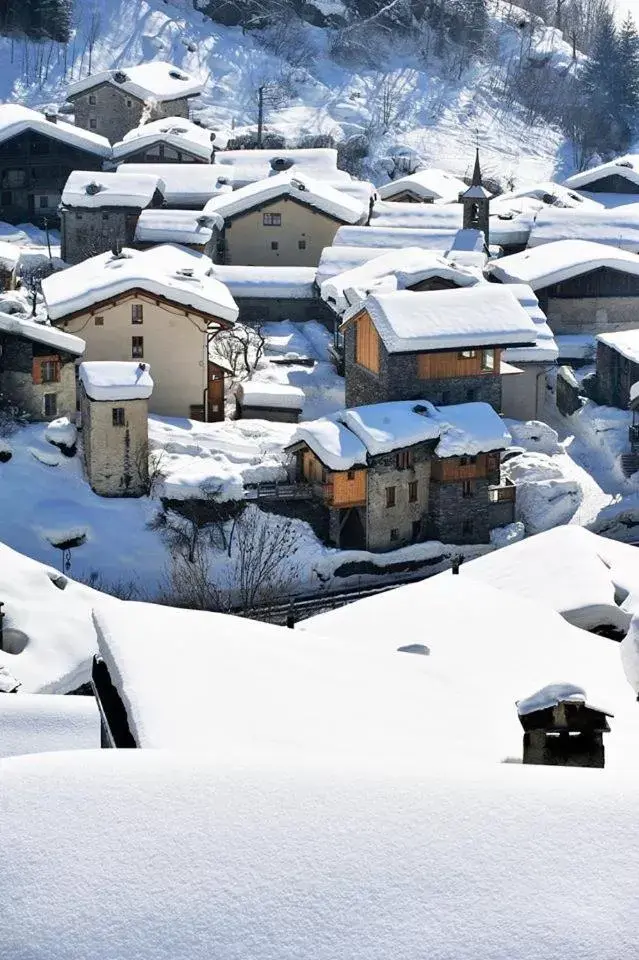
(21, 326)
(277, 395)
(176, 273)
(616, 228)
(289, 283)
(464, 429)
(481, 315)
(15, 119)
(545, 349)
(92, 190)
(116, 379)
(626, 167)
(422, 216)
(552, 695)
(394, 237)
(549, 194)
(552, 263)
(37, 723)
(394, 270)
(9, 254)
(430, 184)
(257, 859)
(625, 342)
(156, 80)
(249, 166)
(312, 193)
(177, 132)
(334, 260)
(185, 184)
(176, 226)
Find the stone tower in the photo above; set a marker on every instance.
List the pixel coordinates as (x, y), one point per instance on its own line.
(476, 203)
(115, 428)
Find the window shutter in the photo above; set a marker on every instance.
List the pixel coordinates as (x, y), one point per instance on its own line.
(36, 371)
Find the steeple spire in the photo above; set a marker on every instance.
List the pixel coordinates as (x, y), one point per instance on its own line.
(476, 181)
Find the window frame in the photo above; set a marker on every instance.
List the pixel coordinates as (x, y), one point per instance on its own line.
(137, 313)
(52, 367)
(137, 344)
(50, 397)
(394, 534)
(466, 354)
(271, 219)
(404, 459)
(488, 361)
(118, 417)
(391, 497)
(413, 491)
(467, 488)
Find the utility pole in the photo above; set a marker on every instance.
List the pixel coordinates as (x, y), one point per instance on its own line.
(260, 116)
(46, 230)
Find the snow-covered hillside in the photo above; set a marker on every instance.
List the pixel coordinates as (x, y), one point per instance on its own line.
(441, 120)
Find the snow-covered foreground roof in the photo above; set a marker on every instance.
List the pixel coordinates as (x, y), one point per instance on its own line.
(176, 132)
(92, 189)
(176, 226)
(348, 438)
(295, 283)
(431, 184)
(481, 315)
(36, 722)
(253, 165)
(394, 270)
(581, 575)
(552, 263)
(303, 189)
(626, 167)
(116, 379)
(173, 272)
(191, 184)
(16, 119)
(21, 326)
(616, 228)
(156, 80)
(625, 342)
(254, 859)
(271, 395)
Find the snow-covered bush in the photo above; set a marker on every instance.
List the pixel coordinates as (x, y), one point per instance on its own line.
(62, 434)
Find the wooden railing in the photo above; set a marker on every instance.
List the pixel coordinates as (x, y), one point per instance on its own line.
(506, 491)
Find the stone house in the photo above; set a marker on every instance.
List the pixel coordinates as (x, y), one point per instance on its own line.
(189, 228)
(37, 367)
(582, 287)
(37, 154)
(424, 186)
(562, 729)
(115, 101)
(392, 474)
(100, 212)
(167, 140)
(442, 345)
(281, 221)
(617, 367)
(158, 306)
(278, 402)
(115, 426)
(620, 176)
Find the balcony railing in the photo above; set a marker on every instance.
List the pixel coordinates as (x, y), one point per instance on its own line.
(633, 434)
(503, 492)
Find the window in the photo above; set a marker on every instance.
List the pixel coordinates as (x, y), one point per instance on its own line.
(92, 99)
(99, 321)
(105, 216)
(137, 347)
(43, 201)
(117, 416)
(467, 354)
(467, 488)
(412, 491)
(467, 527)
(50, 404)
(129, 103)
(272, 219)
(404, 459)
(394, 534)
(488, 360)
(275, 245)
(301, 244)
(14, 177)
(417, 529)
(390, 496)
(137, 313)
(465, 460)
(93, 124)
(351, 475)
(49, 371)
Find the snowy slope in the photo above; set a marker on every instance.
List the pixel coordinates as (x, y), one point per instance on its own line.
(438, 118)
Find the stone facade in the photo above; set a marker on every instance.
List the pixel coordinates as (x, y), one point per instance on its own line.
(568, 393)
(112, 112)
(274, 414)
(86, 233)
(455, 518)
(591, 315)
(391, 527)
(19, 359)
(274, 309)
(398, 380)
(615, 376)
(115, 445)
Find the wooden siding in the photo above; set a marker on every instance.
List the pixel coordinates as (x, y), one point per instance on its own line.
(450, 469)
(615, 183)
(449, 363)
(345, 492)
(603, 282)
(312, 469)
(366, 343)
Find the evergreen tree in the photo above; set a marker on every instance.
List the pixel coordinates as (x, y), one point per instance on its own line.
(628, 70)
(605, 129)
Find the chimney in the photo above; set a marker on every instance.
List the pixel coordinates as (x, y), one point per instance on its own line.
(51, 116)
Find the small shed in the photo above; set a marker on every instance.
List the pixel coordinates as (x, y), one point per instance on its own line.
(561, 728)
(617, 367)
(269, 401)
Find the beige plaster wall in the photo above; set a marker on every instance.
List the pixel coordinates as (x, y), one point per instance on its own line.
(248, 241)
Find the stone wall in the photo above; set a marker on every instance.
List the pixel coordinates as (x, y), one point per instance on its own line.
(450, 512)
(86, 233)
(567, 392)
(592, 315)
(274, 414)
(615, 376)
(115, 112)
(16, 380)
(380, 519)
(115, 457)
(275, 309)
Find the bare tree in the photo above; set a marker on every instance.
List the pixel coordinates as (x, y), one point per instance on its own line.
(241, 349)
(263, 560)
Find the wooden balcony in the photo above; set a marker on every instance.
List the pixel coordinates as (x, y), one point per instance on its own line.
(505, 492)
